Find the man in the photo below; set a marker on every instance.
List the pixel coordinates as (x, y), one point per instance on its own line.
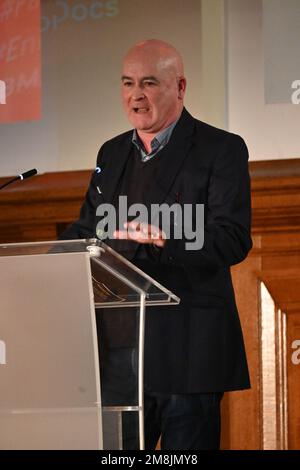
(193, 352)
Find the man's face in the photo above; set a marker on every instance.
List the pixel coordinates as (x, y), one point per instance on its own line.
(150, 92)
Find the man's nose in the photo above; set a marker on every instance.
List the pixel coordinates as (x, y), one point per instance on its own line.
(138, 93)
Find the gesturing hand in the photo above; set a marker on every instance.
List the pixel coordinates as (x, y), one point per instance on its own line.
(141, 233)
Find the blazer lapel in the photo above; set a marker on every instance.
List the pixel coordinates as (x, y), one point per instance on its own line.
(173, 159)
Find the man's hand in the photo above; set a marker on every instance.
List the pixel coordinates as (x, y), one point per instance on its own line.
(141, 233)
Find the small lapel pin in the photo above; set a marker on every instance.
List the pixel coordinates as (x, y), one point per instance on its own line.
(99, 190)
(98, 169)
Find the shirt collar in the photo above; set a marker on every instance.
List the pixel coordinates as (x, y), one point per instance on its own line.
(159, 141)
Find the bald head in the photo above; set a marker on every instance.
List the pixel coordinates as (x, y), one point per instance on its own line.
(153, 85)
(164, 55)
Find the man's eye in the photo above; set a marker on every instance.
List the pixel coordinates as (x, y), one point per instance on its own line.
(149, 83)
(127, 84)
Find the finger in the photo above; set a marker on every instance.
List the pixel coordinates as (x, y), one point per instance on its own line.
(160, 243)
(132, 235)
(121, 234)
(133, 225)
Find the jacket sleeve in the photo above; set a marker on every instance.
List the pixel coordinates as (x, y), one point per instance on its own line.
(227, 237)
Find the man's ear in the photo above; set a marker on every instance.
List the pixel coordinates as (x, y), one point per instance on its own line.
(181, 83)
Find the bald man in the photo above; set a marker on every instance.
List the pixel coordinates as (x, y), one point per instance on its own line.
(194, 352)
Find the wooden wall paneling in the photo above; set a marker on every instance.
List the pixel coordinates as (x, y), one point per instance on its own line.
(241, 427)
(284, 285)
(274, 373)
(270, 408)
(39, 209)
(276, 208)
(293, 374)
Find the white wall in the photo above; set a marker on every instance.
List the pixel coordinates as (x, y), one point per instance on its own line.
(272, 131)
(213, 76)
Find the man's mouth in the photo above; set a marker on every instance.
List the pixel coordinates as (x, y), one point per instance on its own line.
(140, 110)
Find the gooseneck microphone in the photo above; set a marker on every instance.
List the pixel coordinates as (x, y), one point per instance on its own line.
(23, 176)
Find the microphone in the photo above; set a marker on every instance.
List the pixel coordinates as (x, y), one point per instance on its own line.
(22, 176)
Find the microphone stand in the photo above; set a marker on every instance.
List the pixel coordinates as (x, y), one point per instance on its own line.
(23, 176)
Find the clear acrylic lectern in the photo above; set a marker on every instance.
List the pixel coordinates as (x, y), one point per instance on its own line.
(72, 317)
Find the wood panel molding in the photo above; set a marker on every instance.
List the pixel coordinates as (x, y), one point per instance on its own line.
(40, 208)
(273, 324)
(275, 195)
(44, 204)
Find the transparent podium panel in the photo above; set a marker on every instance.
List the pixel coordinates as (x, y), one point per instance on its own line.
(120, 429)
(72, 318)
(118, 342)
(49, 377)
